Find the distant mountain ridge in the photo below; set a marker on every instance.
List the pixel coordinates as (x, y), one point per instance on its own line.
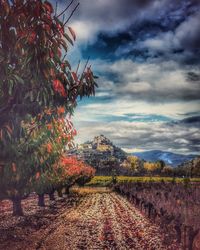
(105, 157)
(169, 158)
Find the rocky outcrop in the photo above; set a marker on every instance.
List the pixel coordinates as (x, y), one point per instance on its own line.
(102, 154)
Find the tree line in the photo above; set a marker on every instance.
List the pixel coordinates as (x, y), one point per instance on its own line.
(135, 166)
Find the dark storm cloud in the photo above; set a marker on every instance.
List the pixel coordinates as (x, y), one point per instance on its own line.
(104, 25)
(193, 77)
(147, 54)
(188, 114)
(191, 120)
(152, 81)
(114, 16)
(188, 32)
(141, 30)
(181, 43)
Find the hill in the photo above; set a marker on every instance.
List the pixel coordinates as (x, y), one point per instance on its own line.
(105, 157)
(169, 158)
(102, 154)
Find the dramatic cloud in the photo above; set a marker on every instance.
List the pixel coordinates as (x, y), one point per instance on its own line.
(140, 131)
(188, 33)
(150, 81)
(134, 136)
(114, 16)
(180, 44)
(106, 16)
(147, 56)
(125, 107)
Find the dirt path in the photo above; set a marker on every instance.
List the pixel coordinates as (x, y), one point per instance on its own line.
(102, 220)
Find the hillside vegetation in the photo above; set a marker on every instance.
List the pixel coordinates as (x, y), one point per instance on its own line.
(106, 158)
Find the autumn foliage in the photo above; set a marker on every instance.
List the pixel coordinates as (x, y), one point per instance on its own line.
(38, 94)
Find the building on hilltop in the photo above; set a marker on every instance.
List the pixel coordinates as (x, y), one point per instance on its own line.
(101, 154)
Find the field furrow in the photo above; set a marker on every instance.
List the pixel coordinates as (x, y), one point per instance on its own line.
(101, 220)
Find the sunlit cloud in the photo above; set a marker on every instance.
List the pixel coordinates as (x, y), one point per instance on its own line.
(146, 54)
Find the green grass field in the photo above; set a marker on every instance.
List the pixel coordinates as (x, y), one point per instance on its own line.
(107, 180)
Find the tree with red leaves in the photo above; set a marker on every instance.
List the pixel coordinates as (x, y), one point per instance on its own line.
(33, 72)
(64, 173)
(35, 81)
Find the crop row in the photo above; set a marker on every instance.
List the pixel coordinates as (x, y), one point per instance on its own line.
(174, 206)
(108, 180)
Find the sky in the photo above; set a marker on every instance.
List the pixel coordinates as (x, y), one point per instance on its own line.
(146, 54)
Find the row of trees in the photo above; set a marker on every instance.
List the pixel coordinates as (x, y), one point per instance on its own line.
(38, 94)
(173, 206)
(139, 167)
(136, 166)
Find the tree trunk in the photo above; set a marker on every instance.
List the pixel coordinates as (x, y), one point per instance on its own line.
(51, 196)
(66, 190)
(59, 191)
(191, 235)
(41, 200)
(178, 233)
(17, 207)
(150, 206)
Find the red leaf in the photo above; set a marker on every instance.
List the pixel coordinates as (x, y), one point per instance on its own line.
(75, 76)
(31, 37)
(9, 129)
(59, 53)
(51, 54)
(58, 87)
(60, 28)
(37, 175)
(48, 7)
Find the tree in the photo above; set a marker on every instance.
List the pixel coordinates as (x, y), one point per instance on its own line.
(167, 170)
(152, 167)
(57, 170)
(36, 155)
(87, 172)
(60, 133)
(20, 166)
(33, 72)
(195, 169)
(162, 164)
(135, 164)
(35, 81)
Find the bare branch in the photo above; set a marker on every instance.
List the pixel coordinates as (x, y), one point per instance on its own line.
(84, 69)
(56, 8)
(78, 67)
(86, 64)
(63, 18)
(71, 14)
(65, 9)
(64, 57)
